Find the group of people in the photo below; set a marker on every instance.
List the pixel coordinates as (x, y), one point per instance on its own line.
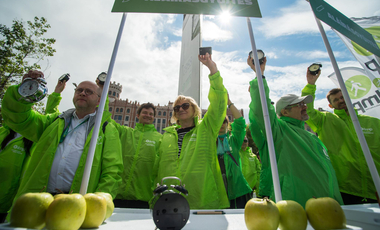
(209, 155)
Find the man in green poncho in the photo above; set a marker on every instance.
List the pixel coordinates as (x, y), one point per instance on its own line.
(337, 132)
(304, 168)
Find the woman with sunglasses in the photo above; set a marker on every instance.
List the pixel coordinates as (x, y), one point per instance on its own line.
(188, 147)
(228, 146)
(251, 166)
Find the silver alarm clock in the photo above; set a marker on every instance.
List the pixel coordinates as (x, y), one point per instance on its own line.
(33, 90)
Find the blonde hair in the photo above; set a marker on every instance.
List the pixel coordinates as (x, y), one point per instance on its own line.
(193, 103)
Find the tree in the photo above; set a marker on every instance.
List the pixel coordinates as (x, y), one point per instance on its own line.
(21, 49)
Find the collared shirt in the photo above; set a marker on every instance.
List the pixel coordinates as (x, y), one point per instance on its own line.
(68, 155)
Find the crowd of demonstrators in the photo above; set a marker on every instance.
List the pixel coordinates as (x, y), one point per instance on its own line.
(228, 146)
(217, 167)
(336, 130)
(15, 152)
(304, 167)
(250, 166)
(188, 148)
(62, 143)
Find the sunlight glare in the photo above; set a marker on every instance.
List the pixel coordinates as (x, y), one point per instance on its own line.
(225, 17)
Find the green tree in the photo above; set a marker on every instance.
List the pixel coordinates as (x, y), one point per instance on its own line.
(21, 49)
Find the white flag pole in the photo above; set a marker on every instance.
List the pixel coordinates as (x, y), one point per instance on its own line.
(99, 114)
(354, 117)
(272, 156)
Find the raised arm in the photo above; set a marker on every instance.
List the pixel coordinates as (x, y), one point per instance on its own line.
(316, 117)
(217, 96)
(55, 98)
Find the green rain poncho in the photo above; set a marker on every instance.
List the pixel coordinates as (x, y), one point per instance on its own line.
(236, 183)
(304, 168)
(140, 156)
(197, 165)
(337, 132)
(251, 168)
(47, 130)
(13, 159)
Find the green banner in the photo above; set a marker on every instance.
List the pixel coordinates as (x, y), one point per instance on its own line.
(344, 25)
(243, 8)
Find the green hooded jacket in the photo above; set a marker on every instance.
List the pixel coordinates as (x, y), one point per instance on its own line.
(304, 168)
(198, 166)
(46, 131)
(140, 156)
(14, 160)
(236, 183)
(337, 132)
(251, 168)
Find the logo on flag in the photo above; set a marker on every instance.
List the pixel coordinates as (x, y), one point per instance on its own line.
(358, 86)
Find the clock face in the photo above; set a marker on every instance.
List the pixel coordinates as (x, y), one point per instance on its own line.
(102, 77)
(314, 67)
(260, 54)
(28, 88)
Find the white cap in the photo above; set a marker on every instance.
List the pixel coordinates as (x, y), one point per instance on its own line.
(291, 99)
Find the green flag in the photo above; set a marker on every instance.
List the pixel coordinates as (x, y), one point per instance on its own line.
(344, 25)
(244, 8)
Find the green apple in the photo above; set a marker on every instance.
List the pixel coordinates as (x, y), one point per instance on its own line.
(110, 204)
(67, 211)
(261, 214)
(96, 210)
(29, 210)
(292, 215)
(325, 213)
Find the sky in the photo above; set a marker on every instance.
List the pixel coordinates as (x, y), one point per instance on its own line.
(148, 59)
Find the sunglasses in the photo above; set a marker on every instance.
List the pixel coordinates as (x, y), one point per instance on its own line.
(245, 140)
(301, 104)
(184, 106)
(88, 92)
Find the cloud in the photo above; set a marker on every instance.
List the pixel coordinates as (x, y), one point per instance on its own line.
(212, 32)
(298, 18)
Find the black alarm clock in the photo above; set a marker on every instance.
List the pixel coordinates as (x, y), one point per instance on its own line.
(260, 55)
(169, 207)
(33, 90)
(102, 78)
(315, 68)
(64, 77)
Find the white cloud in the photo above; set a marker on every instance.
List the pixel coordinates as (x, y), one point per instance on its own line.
(211, 32)
(298, 18)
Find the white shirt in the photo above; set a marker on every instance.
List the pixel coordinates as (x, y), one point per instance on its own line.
(67, 156)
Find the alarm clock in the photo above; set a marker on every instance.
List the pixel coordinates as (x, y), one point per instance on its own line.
(260, 54)
(64, 77)
(315, 68)
(169, 207)
(102, 78)
(33, 90)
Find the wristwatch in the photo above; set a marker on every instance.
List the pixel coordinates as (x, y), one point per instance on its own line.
(33, 90)
(102, 77)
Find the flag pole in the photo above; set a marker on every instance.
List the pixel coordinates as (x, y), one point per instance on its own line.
(354, 117)
(99, 114)
(272, 156)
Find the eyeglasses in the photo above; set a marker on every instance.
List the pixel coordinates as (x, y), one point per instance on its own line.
(300, 104)
(88, 92)
(184, 106)
(245, 140)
